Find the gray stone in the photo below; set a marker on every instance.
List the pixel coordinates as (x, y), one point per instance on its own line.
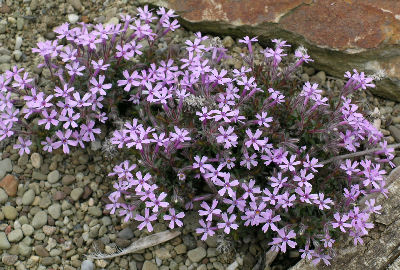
(211, 252)
(395, 133)
(3, 26)
(228, 42)
(28, 197)
(9, 259)
(211, 241)
(17, 55)
(36, 160)
(87, 265)
(53, 177)
(197, 254)
(5, 59)
(148, 265)
(95, 145)
(18, 43)
(95, 211)
(67, 180)
(39, 220)
(163, 253)
(9, 212)
(55, 211)
(24, 249)
(4, 244)
(6, 165)
(20, 23)
(38, 176)
(180, 249)
(233, 266)
(189, 241)
(3, 196)
(126, 233)
(15, 235)
(76, 193)
(76, 4)
(27, 229)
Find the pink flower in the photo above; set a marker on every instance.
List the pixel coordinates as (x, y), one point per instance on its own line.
(99, 86)
(23, 146)
(228, 224)
(157, 202)
(209, 211)
(174, 218)
(146, 220)
(284, 239)
(206, 229)
(254, 139)
(227, 185)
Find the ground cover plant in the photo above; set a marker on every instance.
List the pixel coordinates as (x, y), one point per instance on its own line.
(251, 146)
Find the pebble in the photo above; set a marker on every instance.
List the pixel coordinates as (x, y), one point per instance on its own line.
(55, 210)
(17, 55)
(76, 193)
(28, 197)
(9, 259)
(53, 177)
(197, 254)
(95, 145)
(163, 253)
(180, 249)
(20, 23)
(4, 244)
(6, 165)
(18, 43)
(233, 266)
(87, 265)
(24, 249)
(73, 18)
(39, 220)
(38, 176)
(49, 230)
(9, 212)
(3, 196)
(126, 233)
(15, 236)
(36, 160)
(395, 133)
(148, 265)
(67, 180)
(41, 251)
(27, 229)
(95, 211)
(5, 59)
(228, 42)
(76, 4)
(3, 26)
(10, 185)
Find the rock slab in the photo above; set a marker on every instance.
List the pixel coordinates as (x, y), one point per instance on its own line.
(340, 35)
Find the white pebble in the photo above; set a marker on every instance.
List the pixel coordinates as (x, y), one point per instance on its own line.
(18, 43)
(73, 18)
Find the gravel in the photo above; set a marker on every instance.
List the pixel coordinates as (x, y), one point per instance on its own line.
(197, 254)
(53, 177)
(87, 265)
(28, 197)
(4, 243)
(3, 196)
(9, 212)
(15, 235)
(39, 220)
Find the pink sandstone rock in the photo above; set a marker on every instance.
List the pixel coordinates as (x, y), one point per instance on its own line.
(339, 34)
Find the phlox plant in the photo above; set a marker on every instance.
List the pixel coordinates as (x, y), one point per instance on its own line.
(250, 146)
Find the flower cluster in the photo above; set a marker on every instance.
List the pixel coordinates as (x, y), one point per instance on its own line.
(249, 147)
